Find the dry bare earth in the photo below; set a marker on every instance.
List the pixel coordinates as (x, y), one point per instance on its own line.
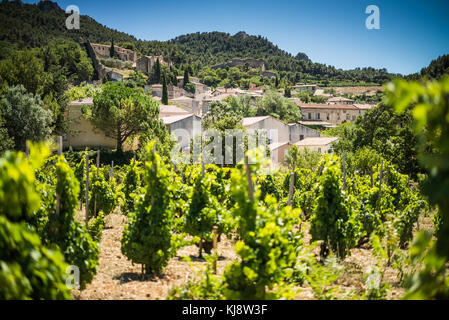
(119, 279)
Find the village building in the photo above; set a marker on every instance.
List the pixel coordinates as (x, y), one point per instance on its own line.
(104, 51)
(193, 105)
(81, 133)
(298, 132)
(317, 125)
(305, 87)
(193, 80)
(277, 130)
(200, 88)
(114, 76)
(340, 100)
(170, 110)
(145, 63)
(280, 135)
(320, 92)
(279, 151)
(190, 123)
(173, 91)
(318, 144)
(335, 114)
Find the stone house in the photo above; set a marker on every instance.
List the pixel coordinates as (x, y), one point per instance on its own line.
(193, 105)
(278, 131)
(170, 110)
(145, 63)
(103, 51)
(278, 152)
(335, 114)
(340, 100)
(305, 87)
(81, 133)
(299, 132)
(173, 91)
(185, 127)
(318, 144)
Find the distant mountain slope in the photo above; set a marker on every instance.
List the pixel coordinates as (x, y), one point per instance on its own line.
(28, 25)
(210, 48)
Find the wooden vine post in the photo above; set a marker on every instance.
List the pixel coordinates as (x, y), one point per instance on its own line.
(380, 181)
(215, 232)
(291, 190)
(87, 189)
(58, 196)
(344, 170)
(248, 177)
(98, 173)
(111, 170)
(200, 245)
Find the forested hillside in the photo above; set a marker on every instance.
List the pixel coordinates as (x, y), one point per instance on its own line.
(206, 49)
(436, 69)
(27, 26)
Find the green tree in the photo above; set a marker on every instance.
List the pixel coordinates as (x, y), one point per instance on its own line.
(186, 77)
(24, 116)
(122, 112)
(190, 87)
(112, 49)
(6, 143)
(155, 75)
(164, 99)
(23, 68)
(275, 105)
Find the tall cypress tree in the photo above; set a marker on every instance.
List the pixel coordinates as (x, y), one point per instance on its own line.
(156, 73)
(164, 91)
(186, 77)
(112, 50)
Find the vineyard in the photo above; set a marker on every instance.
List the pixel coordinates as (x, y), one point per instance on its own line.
(78, 229)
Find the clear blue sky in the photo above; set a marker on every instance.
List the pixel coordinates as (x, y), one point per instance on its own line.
(412, 33)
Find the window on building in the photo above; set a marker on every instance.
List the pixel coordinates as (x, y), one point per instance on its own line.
(310, 116)
(328, 116)
(318, 116)
(319, 150)
(301, 137)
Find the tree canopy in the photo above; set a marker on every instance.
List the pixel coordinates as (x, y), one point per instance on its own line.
(122, 112)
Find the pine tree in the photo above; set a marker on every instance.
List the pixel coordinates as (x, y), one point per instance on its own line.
(112, 50)
(164, 91)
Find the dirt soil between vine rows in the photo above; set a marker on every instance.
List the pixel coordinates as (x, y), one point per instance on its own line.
(118, 279)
